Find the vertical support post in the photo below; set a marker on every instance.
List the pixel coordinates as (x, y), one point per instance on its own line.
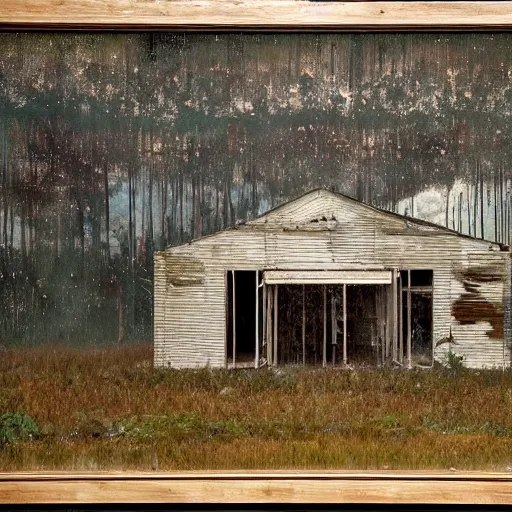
(395, 316)
(401, 321)
(226, 314)
(257, 324)
(345, 324)
(304, 325)
(233, 357)
(270, 341)
(334, 327)
(324, 349)
(276, 318)
(264, 322)
(409, 337)
(383, 325)
(389, 318)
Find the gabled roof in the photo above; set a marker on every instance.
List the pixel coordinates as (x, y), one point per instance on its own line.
(322, 194)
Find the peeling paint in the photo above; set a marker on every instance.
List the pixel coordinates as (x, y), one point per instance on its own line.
(183, 270)
(471, 307)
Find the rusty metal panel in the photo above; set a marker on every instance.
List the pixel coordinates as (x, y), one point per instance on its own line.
(325, 231)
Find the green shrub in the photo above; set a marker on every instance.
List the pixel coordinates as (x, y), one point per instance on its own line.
(17, 427)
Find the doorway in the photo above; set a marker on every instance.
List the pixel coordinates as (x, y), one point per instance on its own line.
(243, 318)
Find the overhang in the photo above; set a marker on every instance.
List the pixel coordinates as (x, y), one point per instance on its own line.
(327, 276)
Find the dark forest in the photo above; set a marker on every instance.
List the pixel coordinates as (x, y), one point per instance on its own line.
(114, 146)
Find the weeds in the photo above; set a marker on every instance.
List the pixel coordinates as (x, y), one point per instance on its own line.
(453, 361)
(107, 408)
(17, 427)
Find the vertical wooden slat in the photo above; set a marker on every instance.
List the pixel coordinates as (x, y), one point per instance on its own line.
(304, 325)
(276, 318)
(334, 327)
(226, 335)
(389, 319)
(234, 319)
(344, 324)
(395, 316)
(382, 317)
(409, 338)
(257, 328)
(270, 340)
(264, 322)
(401, 322)
(324, 348)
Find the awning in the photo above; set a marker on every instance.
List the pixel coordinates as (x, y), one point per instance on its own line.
(327, 276)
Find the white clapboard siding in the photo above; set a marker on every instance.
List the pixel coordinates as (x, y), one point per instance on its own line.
(325, 231)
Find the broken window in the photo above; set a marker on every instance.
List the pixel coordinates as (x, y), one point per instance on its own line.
(366, 318)
(332, 324)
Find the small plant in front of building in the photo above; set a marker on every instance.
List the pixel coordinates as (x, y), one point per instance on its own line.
(17, 427)
(453, 361)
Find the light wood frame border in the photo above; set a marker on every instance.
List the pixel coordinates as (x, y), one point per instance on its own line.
(291, 487)
(257, 15)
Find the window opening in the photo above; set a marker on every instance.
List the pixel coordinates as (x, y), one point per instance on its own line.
(417, 316)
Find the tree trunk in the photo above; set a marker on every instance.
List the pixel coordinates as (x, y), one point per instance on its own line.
(181, 207)
(120, 313)
(4, 184)
(150, 194)
(468, 201)
(23, 234)
(447, 212)
(81, 234)
(107, 210)
(130, 219)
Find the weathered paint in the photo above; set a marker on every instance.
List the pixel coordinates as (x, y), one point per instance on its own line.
(328, 277)
(323, 230)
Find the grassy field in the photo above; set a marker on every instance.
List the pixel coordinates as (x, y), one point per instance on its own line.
(95, 409)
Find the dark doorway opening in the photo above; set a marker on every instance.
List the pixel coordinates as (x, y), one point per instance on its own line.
(300, 324)
(365, 324)
(312, 324)
(243, 316)
(417, 314)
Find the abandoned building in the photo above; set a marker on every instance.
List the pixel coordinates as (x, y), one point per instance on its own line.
(327, 280)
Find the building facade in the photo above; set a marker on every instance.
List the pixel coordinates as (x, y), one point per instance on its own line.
(327, 280)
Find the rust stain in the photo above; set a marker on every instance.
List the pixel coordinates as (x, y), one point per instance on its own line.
(472, 307)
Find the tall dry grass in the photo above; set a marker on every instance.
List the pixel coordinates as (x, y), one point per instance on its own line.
(107, 408)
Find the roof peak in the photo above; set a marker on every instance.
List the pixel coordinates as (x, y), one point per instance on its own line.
(339, 195)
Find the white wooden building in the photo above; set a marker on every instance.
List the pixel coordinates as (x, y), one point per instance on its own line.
(325, 279)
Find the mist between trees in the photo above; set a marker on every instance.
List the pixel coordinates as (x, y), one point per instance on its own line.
(112, 146)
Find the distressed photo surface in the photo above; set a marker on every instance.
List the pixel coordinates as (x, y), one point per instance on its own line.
(255, 251)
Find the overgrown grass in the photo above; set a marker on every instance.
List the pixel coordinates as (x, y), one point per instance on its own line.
(107, 408)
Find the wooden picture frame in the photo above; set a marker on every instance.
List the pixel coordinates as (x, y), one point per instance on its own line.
(292, 487)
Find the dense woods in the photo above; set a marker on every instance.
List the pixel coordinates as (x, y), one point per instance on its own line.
(113, 146)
